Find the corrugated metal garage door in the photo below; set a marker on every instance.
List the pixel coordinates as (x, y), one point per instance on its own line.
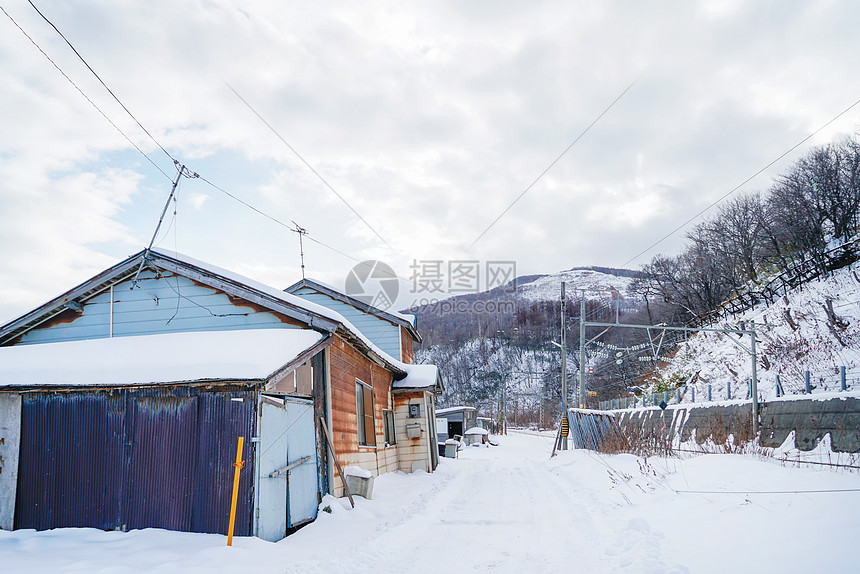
(123, 459)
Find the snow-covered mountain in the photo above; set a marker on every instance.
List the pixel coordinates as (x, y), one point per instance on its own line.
(599, 282)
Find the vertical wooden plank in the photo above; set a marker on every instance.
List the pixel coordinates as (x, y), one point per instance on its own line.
(10, 443)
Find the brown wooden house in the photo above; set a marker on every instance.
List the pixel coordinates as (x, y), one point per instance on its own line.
(381, 421)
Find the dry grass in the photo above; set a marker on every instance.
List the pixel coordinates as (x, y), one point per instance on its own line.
(637, 440)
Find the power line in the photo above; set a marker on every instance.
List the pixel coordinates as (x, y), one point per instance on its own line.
(80, 91)
(544, 172)
(149, 134)
(304, 161)
(289, 227)
(740, 185)
(182, 170)
(57, 30)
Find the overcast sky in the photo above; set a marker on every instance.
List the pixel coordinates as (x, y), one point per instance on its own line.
(428, 118)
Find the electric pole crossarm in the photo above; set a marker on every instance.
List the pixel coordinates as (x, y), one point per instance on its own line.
(593, 339)
(666, 328)
(740, 332)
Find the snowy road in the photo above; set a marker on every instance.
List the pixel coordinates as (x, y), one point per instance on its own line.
(499, 512)
(505, 509)
(512, 509)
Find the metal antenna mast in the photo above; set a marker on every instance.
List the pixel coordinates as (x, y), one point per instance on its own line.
(301, 231)
(182, 171)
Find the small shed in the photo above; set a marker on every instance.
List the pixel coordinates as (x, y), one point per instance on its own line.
(98, 433)
(415, 417)
(457, 421)
(487, 423)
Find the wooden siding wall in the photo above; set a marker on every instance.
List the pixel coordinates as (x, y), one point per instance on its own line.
(299, 383)
(413, 453)
(347, 364)
(182, 305)
(406, 352)
(382, 333)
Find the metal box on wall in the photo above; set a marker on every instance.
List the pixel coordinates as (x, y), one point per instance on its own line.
(413, 430)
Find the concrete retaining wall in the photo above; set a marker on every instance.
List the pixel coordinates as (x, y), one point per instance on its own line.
(810, 420)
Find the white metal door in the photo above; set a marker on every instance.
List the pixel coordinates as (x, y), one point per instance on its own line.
(288, 466)
(302, 479)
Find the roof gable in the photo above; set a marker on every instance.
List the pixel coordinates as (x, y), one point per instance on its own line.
(295, 308)
(398, 319)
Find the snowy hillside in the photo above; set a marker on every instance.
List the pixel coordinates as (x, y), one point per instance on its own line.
(796, 334)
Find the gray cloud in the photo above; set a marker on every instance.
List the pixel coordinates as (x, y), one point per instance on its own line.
(429, 119)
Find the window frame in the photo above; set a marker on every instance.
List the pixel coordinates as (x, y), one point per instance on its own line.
(388, 427)
(364, 413)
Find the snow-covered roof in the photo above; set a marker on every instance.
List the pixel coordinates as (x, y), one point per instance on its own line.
(418, 377)
(450, 410)
(166, 358)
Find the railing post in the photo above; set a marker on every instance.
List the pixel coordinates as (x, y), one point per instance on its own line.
(729, 390)
(692, 394)
(806, 380)
(710, 396)
(842, 383)
(779, 391)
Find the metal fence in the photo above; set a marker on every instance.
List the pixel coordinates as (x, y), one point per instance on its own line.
(782, 385)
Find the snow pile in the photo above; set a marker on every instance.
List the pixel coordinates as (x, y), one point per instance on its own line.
(357, 471)
(513, 509)
(794, 335)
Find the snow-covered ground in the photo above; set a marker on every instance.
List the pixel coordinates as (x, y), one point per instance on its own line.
(513, 509)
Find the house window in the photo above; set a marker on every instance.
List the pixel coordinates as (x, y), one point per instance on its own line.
(388, 420)
(364, 411)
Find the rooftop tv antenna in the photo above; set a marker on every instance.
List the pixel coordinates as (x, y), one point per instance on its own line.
(301, 231)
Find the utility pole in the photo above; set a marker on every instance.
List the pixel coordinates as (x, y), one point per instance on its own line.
(581, 384)
(754, 383)
(504, 404)
(182, 171)
(563, 364)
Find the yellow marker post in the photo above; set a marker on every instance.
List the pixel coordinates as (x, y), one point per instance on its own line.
(238, 470)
